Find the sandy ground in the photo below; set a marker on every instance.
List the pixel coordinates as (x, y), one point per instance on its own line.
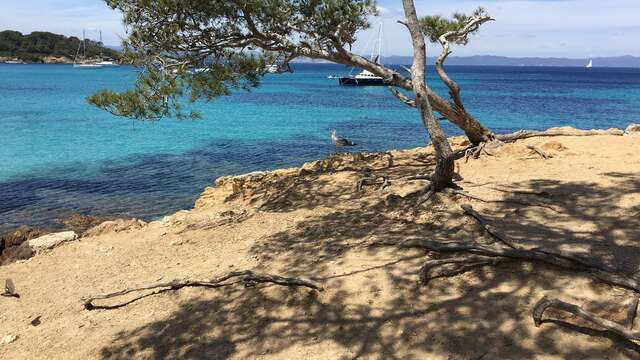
(313, 223)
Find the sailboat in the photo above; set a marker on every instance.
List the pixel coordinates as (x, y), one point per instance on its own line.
(590, 64)
(81, 62)
(365, 77)
(103, 62)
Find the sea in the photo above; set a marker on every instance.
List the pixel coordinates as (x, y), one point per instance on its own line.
(59, 155)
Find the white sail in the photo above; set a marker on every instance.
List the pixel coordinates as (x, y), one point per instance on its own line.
(590, 64)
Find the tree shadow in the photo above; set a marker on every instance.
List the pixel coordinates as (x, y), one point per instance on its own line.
(373, 306)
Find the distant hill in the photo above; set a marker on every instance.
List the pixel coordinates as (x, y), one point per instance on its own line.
(39, 47)
(489, 60)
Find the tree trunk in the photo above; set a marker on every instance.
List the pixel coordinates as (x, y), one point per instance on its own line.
(443, 175)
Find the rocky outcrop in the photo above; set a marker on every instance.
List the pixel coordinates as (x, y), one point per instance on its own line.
(50, 241)
(57, 60)
(81, 223)
(14, 244)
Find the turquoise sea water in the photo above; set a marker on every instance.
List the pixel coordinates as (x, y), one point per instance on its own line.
(59, 155)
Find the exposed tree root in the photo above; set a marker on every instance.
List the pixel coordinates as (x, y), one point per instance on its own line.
(247, 277)
(453, 266)
(558, 259)
(474, 152)
(486, 225)
(512, 201)
(369, 179)
(552, 303)
(523, 191)
(539, 151)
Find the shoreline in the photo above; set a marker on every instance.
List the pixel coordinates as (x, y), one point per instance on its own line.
(313, 222)
(82, 222)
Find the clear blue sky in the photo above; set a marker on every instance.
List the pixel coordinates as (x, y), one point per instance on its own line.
(564, 28)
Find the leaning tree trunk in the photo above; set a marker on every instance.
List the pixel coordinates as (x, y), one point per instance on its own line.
(443, 175)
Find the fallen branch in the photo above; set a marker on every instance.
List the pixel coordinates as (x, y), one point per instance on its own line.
(247, 277)
(539, 151)
(552, 303)
(525, 134)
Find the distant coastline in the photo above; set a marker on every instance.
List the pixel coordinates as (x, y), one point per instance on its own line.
(491, 60)
(46, 48)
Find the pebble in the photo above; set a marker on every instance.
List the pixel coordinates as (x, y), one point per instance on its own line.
(8, 339)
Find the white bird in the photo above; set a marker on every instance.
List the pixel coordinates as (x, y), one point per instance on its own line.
(340, 142)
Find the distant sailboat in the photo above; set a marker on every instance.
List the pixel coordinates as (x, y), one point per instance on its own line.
(590, 64)
(81, 61)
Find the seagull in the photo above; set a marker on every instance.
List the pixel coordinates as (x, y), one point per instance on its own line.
(9, 289)
(340, 142)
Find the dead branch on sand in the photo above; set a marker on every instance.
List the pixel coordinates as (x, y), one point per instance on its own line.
(247, 277)
(624, 331)
(539, 151)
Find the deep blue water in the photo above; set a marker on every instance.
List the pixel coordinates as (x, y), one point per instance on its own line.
(59, 155)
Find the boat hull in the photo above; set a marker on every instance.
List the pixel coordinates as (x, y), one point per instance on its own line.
(351, 81)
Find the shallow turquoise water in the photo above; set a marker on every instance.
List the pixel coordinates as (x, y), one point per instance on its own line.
(60, 155)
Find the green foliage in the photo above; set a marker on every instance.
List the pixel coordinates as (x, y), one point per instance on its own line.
(435, 26)
(33, 47)
(233, 41)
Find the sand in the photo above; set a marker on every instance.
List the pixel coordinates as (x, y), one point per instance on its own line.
(311, 222)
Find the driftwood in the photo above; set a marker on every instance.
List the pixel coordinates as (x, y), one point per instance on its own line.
(551, 303)
(247, 277)
(525, 134)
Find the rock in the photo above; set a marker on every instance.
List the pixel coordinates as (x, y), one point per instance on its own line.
(52, 240)
(16, 253)
(81, 223)
(632, 129)
(8, 339)
(115, 226)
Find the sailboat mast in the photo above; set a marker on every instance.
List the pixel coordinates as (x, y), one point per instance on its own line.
(379, 44)
(84, 45)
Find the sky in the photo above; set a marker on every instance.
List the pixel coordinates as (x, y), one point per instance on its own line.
(544, 28)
